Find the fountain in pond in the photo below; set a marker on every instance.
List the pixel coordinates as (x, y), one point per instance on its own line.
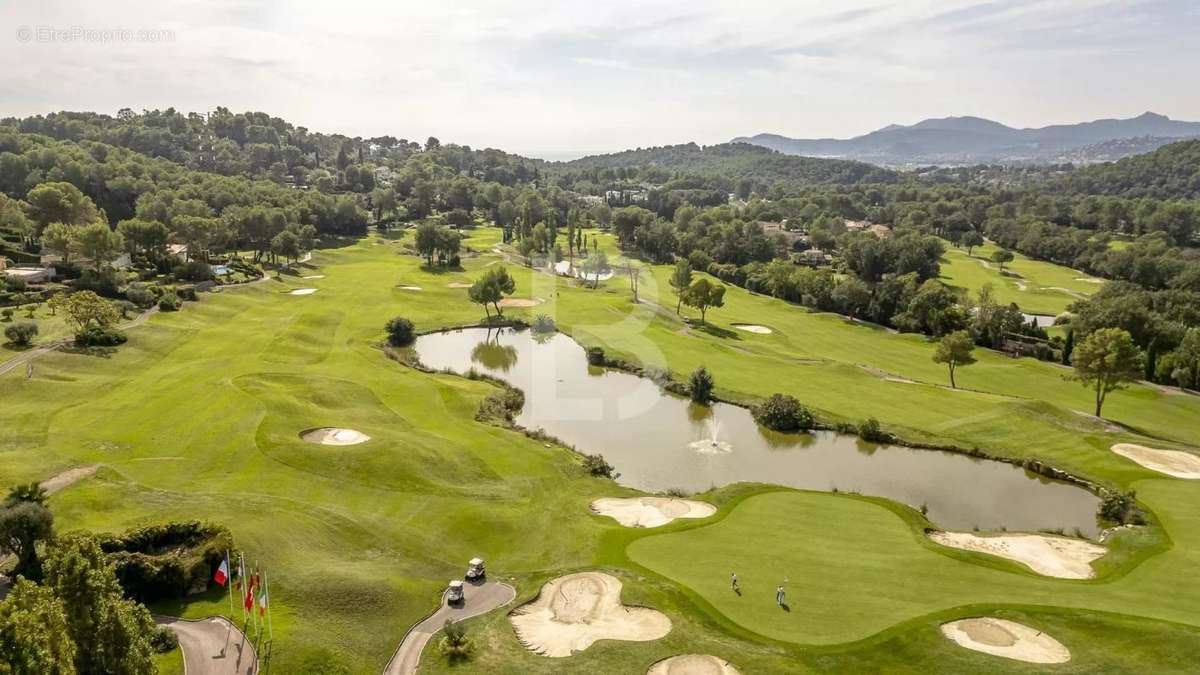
(711, 445)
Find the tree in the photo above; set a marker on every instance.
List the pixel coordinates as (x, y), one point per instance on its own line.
(34, 638)
(111, 633)
(491, 288)
(33, 493)
(85, 309)
(700, 385)
(595, 265)
(1107, 360)
(427, 241)
(455, 644)
(287, 245)
(703, 294)
(681, 278)
(98, 243)
(1002, 256)
(21, 334)
(954, 350)
(22, 525)
(145, 237)
(400, 332)
(783, 413)
(635, 274)
(1186, 360)
(60, 238)
(853, 296)
(971, 239)
(59, 202)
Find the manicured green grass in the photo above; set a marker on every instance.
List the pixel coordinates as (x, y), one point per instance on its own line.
(198, 417)
(1037, 287)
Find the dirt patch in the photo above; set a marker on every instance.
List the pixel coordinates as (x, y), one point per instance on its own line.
(1052, 556)
(1012, 640)
(303, 291)
(1175, 463)
(753, 328)
(692, 664)
(67, 478)
(409, 288)
(521, 302)
(334, 436)
(650, 511)
(890, 377)
(576, 610)
(458, 284)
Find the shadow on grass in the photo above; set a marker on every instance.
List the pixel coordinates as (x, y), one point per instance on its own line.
(100, 352)
(716, 331)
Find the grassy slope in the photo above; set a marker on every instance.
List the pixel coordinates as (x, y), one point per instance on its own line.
(1049, 288)
(197, 416)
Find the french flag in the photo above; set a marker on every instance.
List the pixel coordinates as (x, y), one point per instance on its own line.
(222, 574)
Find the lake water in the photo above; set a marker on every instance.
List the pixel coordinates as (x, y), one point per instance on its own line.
(658, 441)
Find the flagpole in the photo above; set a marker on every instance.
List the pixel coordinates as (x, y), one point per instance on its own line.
(267, 591)
(245, 581)
(229, 583)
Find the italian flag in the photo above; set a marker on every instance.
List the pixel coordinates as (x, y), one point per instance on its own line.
(262, 601)
(222, 574)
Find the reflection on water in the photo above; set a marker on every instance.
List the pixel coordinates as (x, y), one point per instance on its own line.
(654, 440)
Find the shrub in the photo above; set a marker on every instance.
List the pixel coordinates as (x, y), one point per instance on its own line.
(595, 356)
(21, 333)
(186, 292)
(503, 404)
(700, 385)
(168, 560)
(163, 640)
(543, 323)
(140, 296)
(7, 313)
(597, 466)
(455, 644)
(14, 284)
(783, 413)
(193, 271)
(400, 332)
(870, 430)
(97, 336)
(169, 302)
(1121, 507)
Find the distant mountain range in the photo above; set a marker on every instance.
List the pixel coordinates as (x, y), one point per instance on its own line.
(973, 140)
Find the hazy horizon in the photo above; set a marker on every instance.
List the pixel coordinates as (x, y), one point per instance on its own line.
(541, 81)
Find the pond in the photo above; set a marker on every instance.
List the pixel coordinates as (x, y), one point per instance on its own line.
(659, 441)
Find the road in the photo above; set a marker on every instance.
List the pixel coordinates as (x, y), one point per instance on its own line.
(27, 356)
(212, 646)
(477, 599)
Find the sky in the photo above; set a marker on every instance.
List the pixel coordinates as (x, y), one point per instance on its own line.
(558, 79)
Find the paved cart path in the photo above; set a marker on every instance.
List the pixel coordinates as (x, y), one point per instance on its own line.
(477, 599)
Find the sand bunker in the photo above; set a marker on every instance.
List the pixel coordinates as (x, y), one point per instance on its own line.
(67, 478)
(1009, 639)
(520, 302)
(409, 288)
(1089, 280)
(753, 328)
(303, 291)
(1175, 463)
(458, 284)
(650, 511)
(692, 664)
(1052, 556)
(334, 436)
(314, 276)
(575, 610)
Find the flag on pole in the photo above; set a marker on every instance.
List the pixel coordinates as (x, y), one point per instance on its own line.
(262, 601)
(222, 574)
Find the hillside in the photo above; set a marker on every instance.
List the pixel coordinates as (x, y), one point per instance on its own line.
(1171, 172)
(735, 161)
(969, 140)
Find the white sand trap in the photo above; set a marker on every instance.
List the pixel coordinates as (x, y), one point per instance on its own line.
(458, 284)
(520, 302)
(1052, 556)
(1089, 280)
(1009, 639)
(314, 276)
(753, 328)
(650, 511)
(692, 664)
(67, 478)
(410, 288)
(1175, 463)
(575, 610)
(335, 436)
(303, 291)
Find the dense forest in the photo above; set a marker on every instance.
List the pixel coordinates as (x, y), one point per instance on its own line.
(1170, 172)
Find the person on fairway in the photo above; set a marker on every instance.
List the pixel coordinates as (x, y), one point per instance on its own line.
(733, 581)
(779, 596)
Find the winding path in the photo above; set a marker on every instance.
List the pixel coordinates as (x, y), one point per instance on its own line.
(212, 646)
(477, 599)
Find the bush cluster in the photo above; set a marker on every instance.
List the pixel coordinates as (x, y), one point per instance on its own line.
(97, 336)
(400, 332)
(783, 413)
(168, 560)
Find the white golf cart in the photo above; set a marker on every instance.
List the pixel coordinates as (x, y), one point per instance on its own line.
(454, 592)
(475, 570)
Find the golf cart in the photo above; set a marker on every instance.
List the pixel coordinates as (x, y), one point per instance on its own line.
(454, 593)
(476, 572)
